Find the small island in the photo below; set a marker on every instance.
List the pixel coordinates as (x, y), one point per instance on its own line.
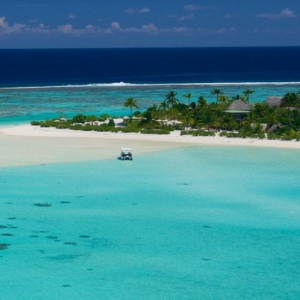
(277, 118)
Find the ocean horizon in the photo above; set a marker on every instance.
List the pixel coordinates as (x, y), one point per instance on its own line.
(53, 67)
(46, 83)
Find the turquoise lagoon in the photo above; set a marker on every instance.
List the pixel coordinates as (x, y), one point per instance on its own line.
(205, 222)
(22, 105)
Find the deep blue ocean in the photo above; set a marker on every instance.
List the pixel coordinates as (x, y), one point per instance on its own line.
(152, 66)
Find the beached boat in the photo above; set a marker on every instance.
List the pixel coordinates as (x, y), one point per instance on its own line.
(126, 154)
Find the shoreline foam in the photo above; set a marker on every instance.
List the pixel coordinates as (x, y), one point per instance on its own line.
(174, 84)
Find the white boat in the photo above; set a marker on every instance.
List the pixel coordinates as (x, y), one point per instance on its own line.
(126, 154)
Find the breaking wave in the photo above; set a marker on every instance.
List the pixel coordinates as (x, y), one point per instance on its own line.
(124, 84)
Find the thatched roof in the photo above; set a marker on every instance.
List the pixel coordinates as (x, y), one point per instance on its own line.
(273, 101)
(239, 105)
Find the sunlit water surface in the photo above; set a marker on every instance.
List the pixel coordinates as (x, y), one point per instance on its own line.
(194, 223)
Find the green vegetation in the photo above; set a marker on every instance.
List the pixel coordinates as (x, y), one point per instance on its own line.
(188, 96)
(247, 94)
(131, 103)
(197, 118)
(291, 100)
(217, 92)
(111, 123)
(171, 99)
(79, 119)
(155, 131)
(197, 133)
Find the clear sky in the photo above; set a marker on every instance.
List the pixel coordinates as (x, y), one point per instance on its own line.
(148, 23)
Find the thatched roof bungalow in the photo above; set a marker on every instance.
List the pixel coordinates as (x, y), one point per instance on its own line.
(238, 109)
(273, 101)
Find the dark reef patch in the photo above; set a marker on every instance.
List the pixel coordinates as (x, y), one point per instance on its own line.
(42, 204)
(4, 246)
(52, 237)
(70, 243)
(9, 226)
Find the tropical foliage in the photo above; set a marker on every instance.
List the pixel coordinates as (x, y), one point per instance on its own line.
(188, 96)
(131, 103)
(291, 100)
(216, 92)
(171, 99)
(199, 118)
(247, 94)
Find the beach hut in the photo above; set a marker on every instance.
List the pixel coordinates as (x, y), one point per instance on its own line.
(273, 101)
(238, 109)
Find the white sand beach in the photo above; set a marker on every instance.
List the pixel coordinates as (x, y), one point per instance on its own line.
(29, 145)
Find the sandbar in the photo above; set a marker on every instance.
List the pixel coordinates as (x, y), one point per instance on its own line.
(31, 145)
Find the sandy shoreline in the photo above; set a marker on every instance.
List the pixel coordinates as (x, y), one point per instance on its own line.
(29, 145)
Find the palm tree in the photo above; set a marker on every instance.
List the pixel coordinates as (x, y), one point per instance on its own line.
(188, 96)
(236, 97)
(171, 98)
(229, 123)
(291, 100)
(271, 118)
(163, 105)
(216, 92)
(172, 114)
(247, 94)
(187, 117)
(131, 103)
(147, 120)
(223, 99)
(207, 118)
(201, 102)
(192, 105)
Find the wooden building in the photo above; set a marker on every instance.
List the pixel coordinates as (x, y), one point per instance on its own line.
(238, 109)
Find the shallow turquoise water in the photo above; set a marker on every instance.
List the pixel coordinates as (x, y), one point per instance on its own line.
(27, 104)
(196, 223)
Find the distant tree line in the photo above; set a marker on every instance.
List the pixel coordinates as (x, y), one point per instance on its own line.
(198, 117)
